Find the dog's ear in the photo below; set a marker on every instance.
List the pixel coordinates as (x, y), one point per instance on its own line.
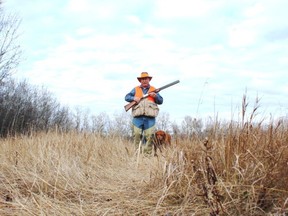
(156, 134)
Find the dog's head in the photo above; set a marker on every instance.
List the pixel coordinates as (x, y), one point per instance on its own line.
(160, 135)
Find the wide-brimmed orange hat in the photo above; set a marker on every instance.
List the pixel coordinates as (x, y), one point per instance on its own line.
(144, 75)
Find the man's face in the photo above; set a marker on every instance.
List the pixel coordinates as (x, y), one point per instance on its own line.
(145, 82)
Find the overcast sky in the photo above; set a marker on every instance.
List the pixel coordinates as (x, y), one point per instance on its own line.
(90, 52)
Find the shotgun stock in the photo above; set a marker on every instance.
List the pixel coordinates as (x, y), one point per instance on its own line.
(133, 103)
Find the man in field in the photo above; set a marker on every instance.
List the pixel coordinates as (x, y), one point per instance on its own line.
(145, 111)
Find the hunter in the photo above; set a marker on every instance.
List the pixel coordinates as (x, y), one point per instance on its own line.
(144, 112)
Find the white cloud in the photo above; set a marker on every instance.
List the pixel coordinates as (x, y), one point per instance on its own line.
(183, 8)
(254, 10)
(93, 8)
(84, 31)
(200, 65)
(245, 33)
(133, 19)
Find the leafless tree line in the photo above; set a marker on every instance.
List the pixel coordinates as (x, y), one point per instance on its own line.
(10, 50)
(25, 108)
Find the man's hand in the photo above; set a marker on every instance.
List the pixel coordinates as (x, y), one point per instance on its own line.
(137, 99)
(152, 94)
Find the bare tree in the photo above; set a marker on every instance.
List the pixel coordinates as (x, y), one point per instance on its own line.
(192, 126)
(163, 121)
(175, 129)
(121, 125)
(100, 123)
(9, 49)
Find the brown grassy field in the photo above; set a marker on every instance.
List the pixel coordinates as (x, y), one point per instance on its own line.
(239, 170)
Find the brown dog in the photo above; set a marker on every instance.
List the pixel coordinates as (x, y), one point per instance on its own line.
(161, 139)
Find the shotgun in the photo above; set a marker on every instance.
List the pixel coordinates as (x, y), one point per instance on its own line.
(133, 103)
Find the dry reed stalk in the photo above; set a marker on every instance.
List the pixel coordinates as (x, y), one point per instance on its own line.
(211, 194)
(138, 153)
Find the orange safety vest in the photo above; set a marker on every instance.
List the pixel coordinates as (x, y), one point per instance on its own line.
(139, 93)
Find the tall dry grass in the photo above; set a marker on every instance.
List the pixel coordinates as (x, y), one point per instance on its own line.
(238, 169)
